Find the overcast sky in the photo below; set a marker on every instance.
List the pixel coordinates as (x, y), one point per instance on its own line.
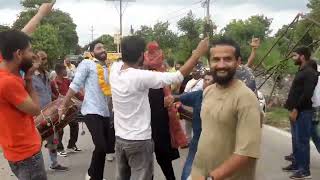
(104, 18)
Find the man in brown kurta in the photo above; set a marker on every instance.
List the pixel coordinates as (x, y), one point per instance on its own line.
(229, 145)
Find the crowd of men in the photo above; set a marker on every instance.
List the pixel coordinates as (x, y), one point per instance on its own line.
(130, 109)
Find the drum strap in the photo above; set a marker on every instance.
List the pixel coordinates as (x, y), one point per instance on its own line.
(57, 87)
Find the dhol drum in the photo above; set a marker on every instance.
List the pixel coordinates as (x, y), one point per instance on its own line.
(48, 121)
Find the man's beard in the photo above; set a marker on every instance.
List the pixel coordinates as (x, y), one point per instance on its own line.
(25, 65)
(43, 67)
(101, 56)
(297, 63)
(224, 80)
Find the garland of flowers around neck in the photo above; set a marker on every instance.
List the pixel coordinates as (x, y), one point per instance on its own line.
(105, 87)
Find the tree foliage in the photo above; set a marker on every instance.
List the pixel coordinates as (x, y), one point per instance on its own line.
(4, 28)
(63, 23)
(161, 33)
(46, 38)
(243, 31)
(33, 3)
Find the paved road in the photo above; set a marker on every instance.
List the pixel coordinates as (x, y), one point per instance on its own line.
(275, 145)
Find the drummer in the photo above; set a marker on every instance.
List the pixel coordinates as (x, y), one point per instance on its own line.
(41, 85)
(60, 86)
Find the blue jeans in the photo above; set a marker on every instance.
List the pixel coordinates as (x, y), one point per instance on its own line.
(302, 133)
(192, 152)
(30, 169)
(293, 139)
(315, 135)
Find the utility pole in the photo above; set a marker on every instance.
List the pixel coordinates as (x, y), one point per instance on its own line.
(121, 14)
(131, 30)
(208, 11)
(207, 23)
(91, 30)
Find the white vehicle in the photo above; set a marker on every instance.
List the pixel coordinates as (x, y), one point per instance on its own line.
(262, 101)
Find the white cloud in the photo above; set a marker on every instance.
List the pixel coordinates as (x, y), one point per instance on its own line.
(104, 17)
(8, 16)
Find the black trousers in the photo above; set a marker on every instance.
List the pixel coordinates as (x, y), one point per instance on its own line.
(165, 163)
(74, 132)
(103, 138)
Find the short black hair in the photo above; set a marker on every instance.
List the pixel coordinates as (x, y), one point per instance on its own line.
(229, 42)
(93, 44)
(132, 48)
(305, 51)
(59, 68)
(11, 41)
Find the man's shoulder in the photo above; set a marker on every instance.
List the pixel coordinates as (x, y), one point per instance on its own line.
(116, 66)
(87, 62)
(244, 93)
(209, 90)
(8, 79)
(311, 71)
(244, 72)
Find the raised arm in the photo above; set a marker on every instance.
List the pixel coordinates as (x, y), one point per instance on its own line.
(156, 80)
(201, 50)
(43, 11)
(255, 44)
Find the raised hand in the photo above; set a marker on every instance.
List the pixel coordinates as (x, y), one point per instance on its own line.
(255, 43)
(30, 72)
(203, 47)
(45, 9)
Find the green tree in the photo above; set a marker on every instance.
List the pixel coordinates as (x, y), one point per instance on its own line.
(243, 31)
(191, 28)
(108, 41)
(296, 36)
(4, 28)
(145, 32)
(33, 3)
(314, 6)
(46, 39)
(161, 33)
(63, 22)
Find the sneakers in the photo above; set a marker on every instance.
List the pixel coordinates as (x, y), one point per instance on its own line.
(89, 178)
(62, 153)
(110, 157)
(301, 175)
(74, 149)
(289, 158)
(59, 168)
(290, 168)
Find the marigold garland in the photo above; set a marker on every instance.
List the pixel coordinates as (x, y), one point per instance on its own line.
(105, 87)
